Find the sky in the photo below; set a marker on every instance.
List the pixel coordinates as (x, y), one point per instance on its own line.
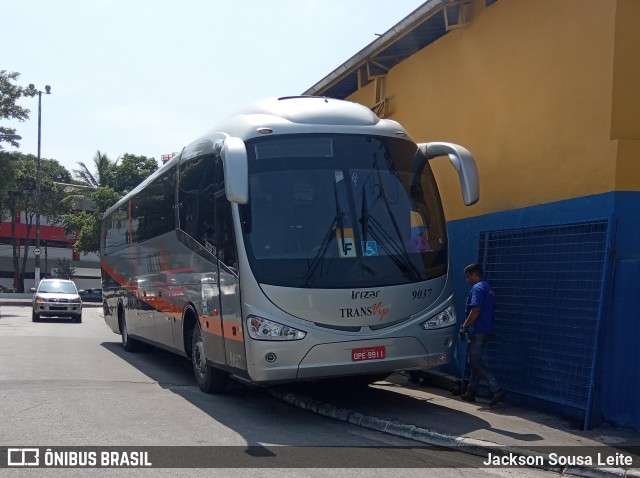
(147, 77)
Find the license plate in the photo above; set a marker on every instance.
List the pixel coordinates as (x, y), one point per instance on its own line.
(368, 353)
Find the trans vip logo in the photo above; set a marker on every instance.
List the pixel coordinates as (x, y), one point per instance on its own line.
(377, 309)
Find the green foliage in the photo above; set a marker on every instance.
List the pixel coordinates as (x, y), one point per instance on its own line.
(7, 180)
(132, 171)
(121, 175)
(22, 189)
(18, 184)
(102, 175)
(65, 270)
(104, 198)
(86, 225)
(21, 196)
(9, 95)
(103, 188)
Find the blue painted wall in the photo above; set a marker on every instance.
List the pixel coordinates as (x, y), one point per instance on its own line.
(617, 385)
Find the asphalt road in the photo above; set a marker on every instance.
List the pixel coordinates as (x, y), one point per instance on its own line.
(64, 384)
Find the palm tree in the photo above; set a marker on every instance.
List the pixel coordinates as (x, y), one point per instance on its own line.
(88, 182)
(104, 171)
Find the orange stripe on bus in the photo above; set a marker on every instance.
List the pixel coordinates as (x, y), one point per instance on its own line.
(211, 325)
(233, 331)
(114, 275)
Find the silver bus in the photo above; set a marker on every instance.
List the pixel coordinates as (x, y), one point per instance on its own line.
(303, 239)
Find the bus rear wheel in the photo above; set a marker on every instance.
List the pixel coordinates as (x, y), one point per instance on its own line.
(210, 379)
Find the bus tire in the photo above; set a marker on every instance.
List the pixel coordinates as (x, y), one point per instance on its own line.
(128, 343)
(210, 379)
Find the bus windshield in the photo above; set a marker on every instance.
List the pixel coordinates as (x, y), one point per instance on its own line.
(330, 211)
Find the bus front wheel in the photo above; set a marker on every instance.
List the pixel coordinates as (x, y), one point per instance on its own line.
(210, 379)
(128, 343)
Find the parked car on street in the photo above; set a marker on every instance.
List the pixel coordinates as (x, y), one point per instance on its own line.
(91, 295)
(56, 298)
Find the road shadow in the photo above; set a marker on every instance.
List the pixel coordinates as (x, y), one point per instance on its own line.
(252, 411)
(175, 373)
(7, 316)
(621, 439)
(384, 402)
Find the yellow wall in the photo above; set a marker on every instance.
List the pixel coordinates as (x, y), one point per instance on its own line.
(626, 73)
(625, 123)
(529, 87)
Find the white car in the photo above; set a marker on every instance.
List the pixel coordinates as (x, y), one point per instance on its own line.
(57, 298)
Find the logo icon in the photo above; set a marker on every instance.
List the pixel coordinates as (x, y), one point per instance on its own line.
(23, 456)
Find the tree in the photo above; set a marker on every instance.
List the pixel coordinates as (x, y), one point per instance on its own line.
(87, 224)
(65, 270)
(7, 181)
(86, 182)
(132, 171)
(9, 95)
(103, 174)
(103, 188)
(21, 201)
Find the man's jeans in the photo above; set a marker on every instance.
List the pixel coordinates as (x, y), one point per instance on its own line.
(477, 345)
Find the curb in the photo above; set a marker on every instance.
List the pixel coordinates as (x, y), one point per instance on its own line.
(431, 437)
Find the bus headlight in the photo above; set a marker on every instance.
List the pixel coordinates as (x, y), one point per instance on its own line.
(446, 318)
(263, 329)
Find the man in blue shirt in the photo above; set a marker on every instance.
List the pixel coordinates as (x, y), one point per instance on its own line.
(479, 327)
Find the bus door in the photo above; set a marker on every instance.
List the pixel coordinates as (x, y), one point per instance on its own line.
(231, 318)
(207, 291)
(229, 285)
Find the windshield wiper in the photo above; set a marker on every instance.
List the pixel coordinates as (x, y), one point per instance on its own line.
(383, 193)
(338, 222)
(322, 250)
(364, 217)
(399, 255)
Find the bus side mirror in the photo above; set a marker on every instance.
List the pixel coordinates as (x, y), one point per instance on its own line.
(236, 171)
(464, 163)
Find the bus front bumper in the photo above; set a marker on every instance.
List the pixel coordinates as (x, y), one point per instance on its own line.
(339, 359)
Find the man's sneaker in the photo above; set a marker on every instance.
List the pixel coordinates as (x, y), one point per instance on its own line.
(468, 397)
(498, 395)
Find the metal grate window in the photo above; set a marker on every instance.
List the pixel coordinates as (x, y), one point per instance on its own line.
(549, 284)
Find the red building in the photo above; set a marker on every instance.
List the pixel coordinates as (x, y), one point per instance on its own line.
(54, 245)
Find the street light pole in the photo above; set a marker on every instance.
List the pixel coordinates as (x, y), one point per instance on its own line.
(37, 253)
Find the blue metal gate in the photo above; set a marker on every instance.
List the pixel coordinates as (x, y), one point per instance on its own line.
(550, 285)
